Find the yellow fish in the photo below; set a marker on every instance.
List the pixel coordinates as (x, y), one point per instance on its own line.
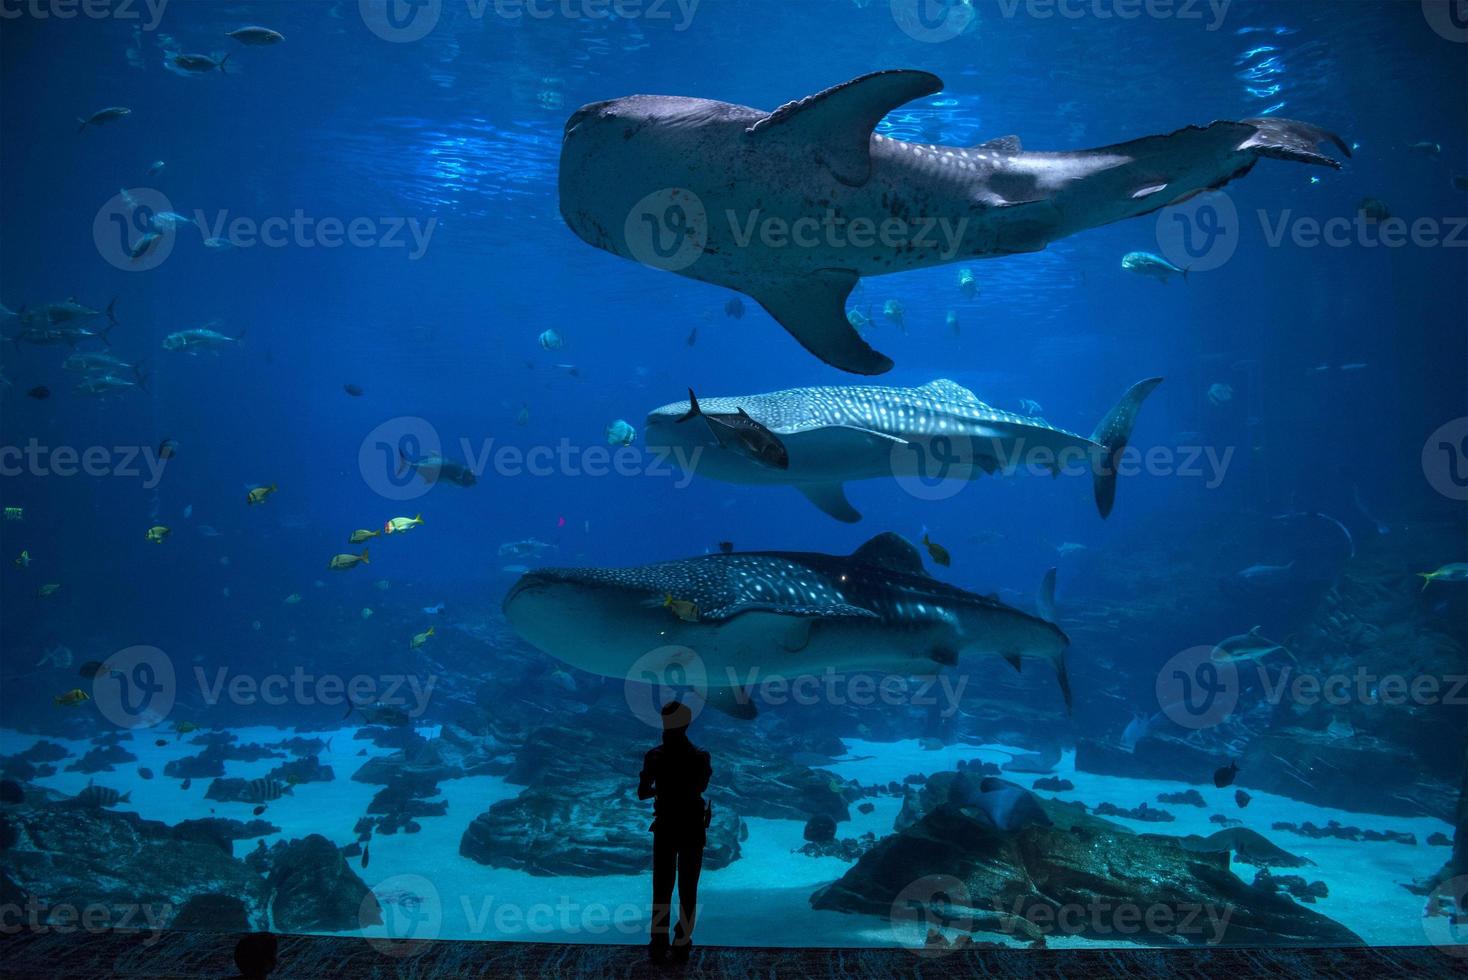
(157, 533)
(49, 589)
(400, 524)
(360, 535)
(24, 561)
(1456, 572)
(682, 608)
(938, 552)
(15, 513)
(421, 638)
(72, 698)
(341, 563)
(258, 495)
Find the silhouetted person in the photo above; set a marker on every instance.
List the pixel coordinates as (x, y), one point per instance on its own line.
(254, 955)
(674, 775)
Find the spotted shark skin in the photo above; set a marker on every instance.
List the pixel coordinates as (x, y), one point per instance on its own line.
(761, 614)
(817, 160)
(835, 434)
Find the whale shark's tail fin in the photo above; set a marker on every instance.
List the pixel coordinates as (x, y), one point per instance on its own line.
(1289, 139)
(1111, 435)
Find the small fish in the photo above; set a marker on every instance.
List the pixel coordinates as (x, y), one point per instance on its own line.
(103, 116)
(218, 244)
(145, 773)
(741, 433)
(167, 448)
(341, 563)
(523, 418)
(72, 698)
(264, 790)
(40, 393)
(894, 311)
(1224, 776)
(91, 669)
(860, 322)
(366, 855)
(23, 560)
(199, 64)
(1373, 209)
(353, 390)
(620, 433)
(692, 337)
(188, 511)
(952, 321)
(434, 610)
(258, 810)
(256, 36)
(734, 308)
(1425, 148)
(1152, 266)
(102, 796)
(420, 638)
(48, 590)
(258, 495)
(160, 742)
(156, 168)
(366, 612)
(726, 547)
(967, 283)
(1242, 798)
(1454, 572)
(1031, 407)
(1220, 394)
(188, 781)
(157, 533)
(15, 513)
(362, 534)
(144, 245)
(400, 525)
(684, 609)
(201, 339)
(937, 551)
(550, 340)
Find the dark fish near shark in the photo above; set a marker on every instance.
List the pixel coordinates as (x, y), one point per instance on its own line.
(685, 184)
(435, 467)
(774, 613)
(738, 433)
(862, 432)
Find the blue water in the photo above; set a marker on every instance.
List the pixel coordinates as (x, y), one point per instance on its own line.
(458, 134)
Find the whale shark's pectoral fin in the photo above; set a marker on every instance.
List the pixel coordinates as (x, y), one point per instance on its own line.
(831, 498)
(835, 126)
(813, 309)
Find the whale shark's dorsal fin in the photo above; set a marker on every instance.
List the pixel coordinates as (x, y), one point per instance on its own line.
(1002, 144)
(891, 550)
(813, 309)
(836, 125)
(951, 390)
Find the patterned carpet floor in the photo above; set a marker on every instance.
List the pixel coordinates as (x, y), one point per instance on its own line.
(190, 955)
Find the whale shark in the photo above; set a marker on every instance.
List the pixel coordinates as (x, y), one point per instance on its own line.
(793, 207)
(858, 432)
(764, 614)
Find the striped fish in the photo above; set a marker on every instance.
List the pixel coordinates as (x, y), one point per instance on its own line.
(102, 796)
(264, 790)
